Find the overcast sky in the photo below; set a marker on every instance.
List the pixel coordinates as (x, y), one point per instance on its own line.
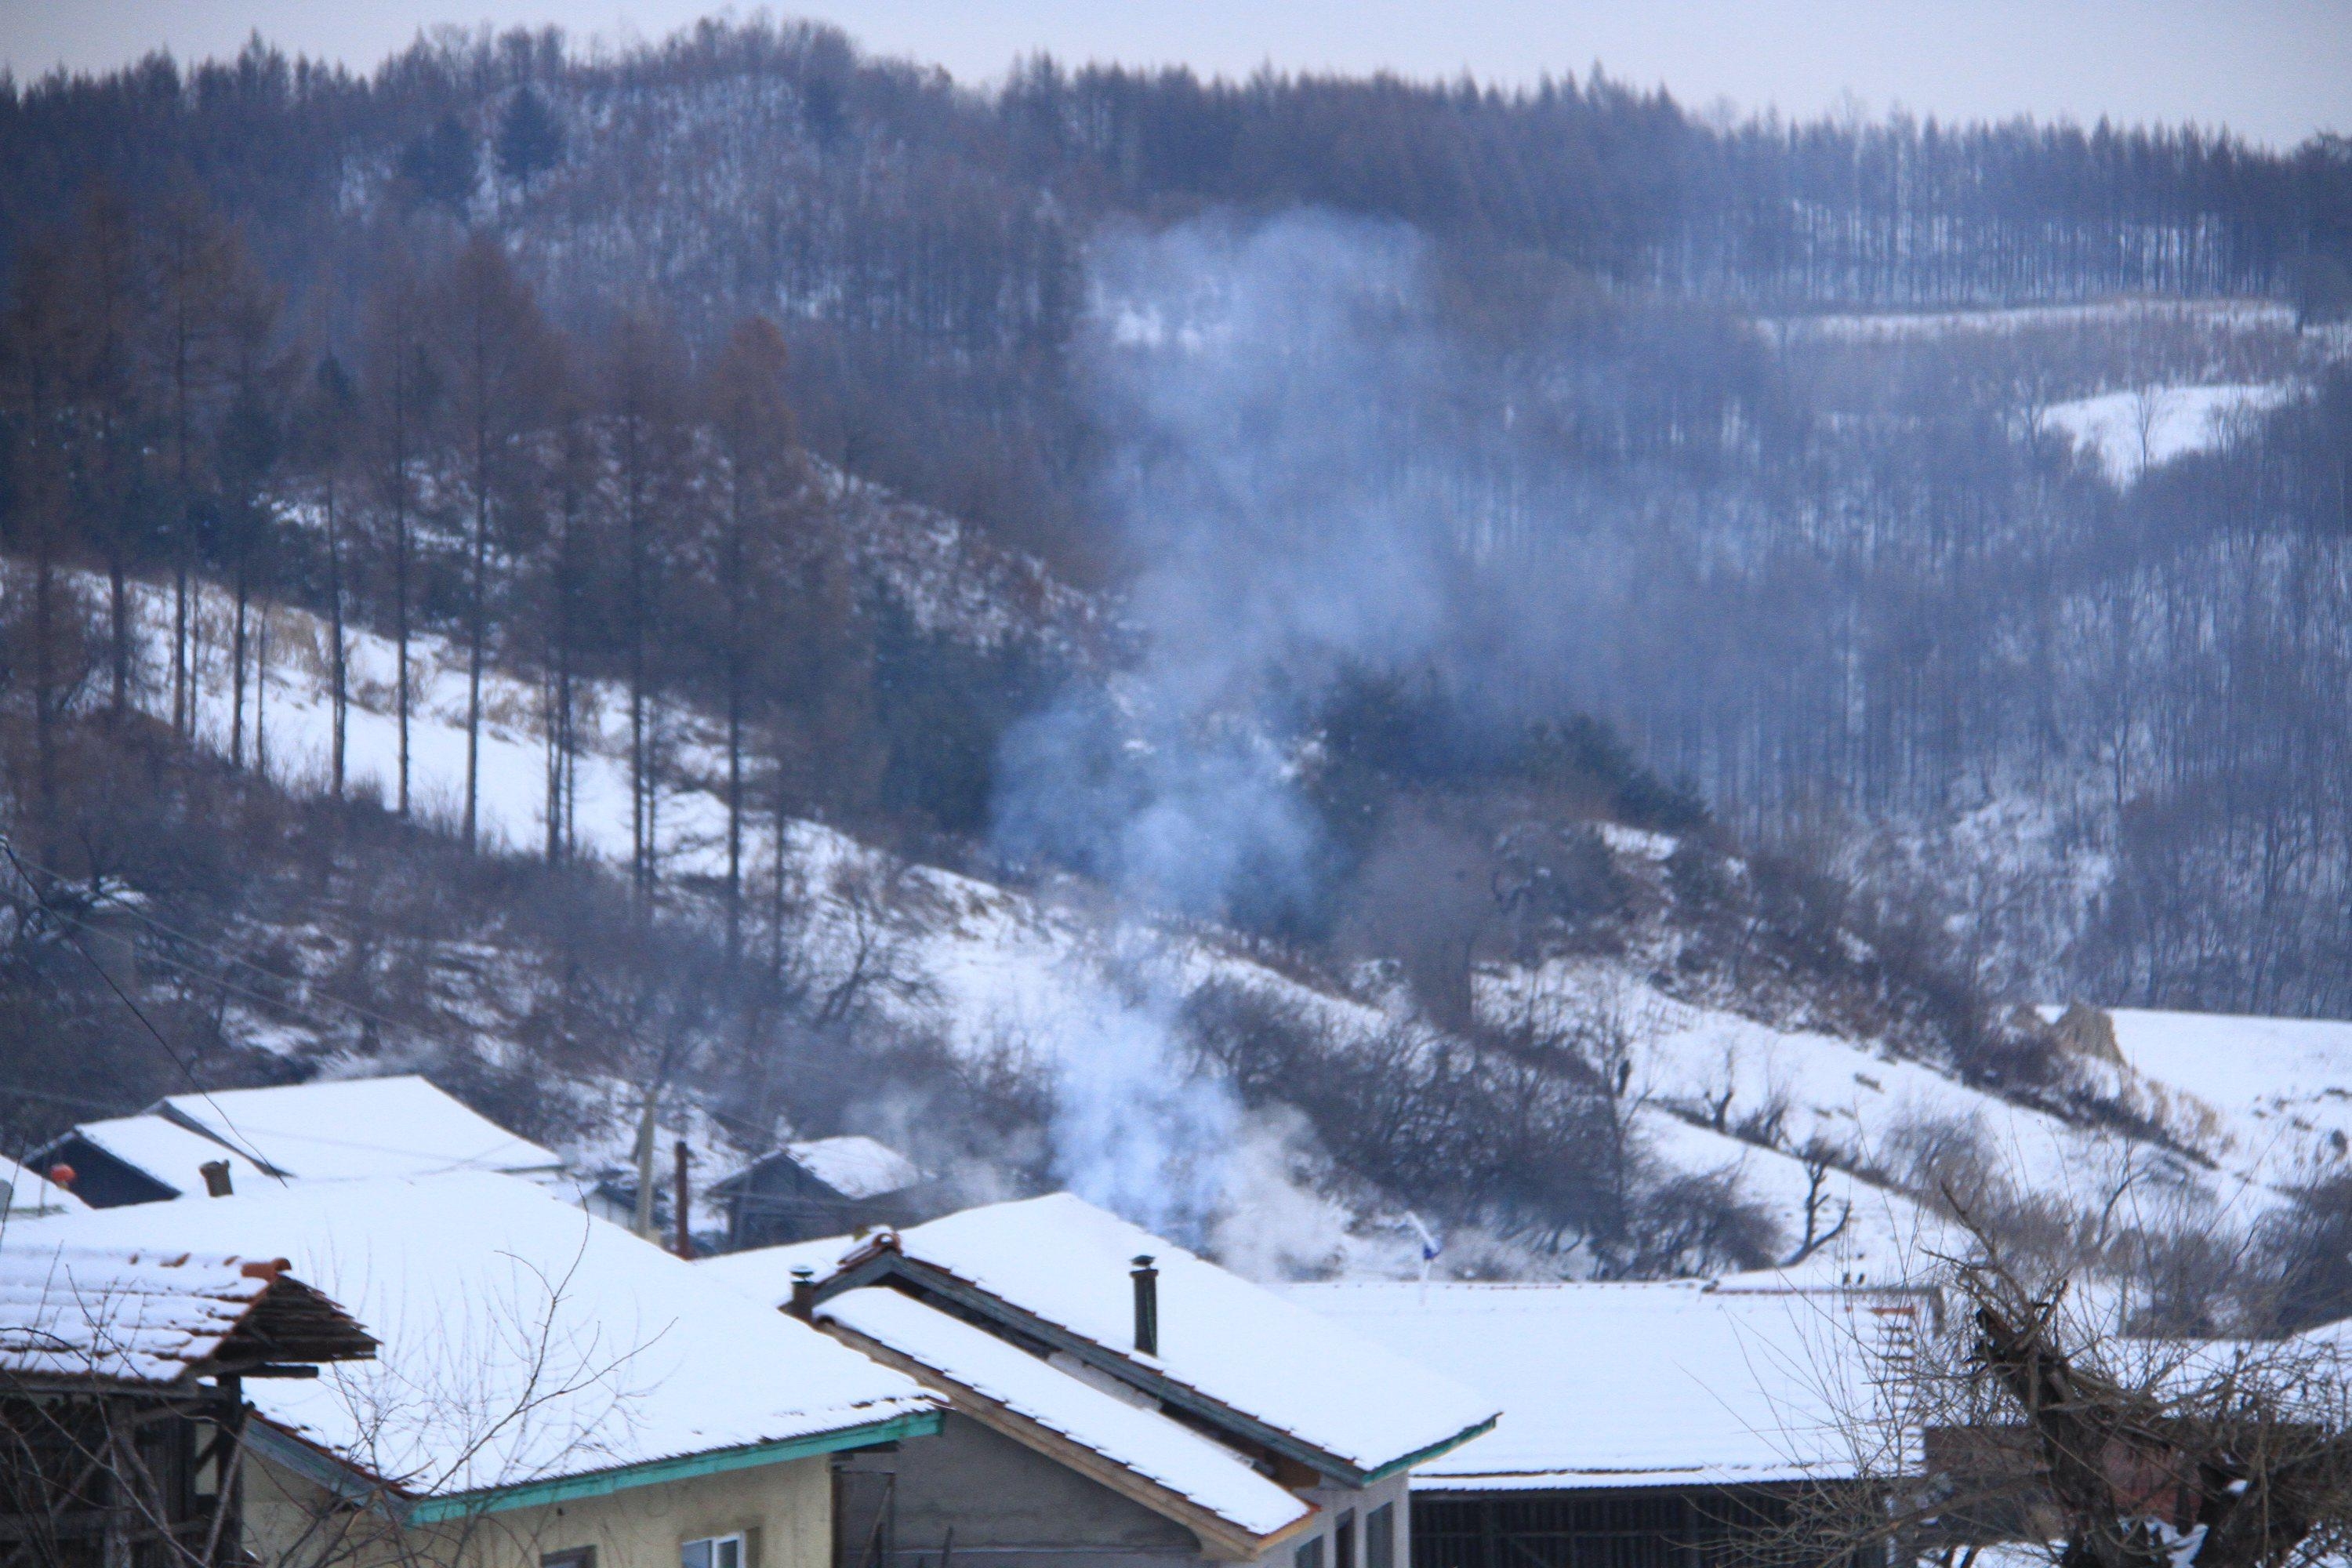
(2275, 70)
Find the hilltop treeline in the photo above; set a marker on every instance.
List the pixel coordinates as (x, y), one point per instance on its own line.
(1624, 182)
(924, 241)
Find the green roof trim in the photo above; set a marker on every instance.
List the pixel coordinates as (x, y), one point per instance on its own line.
(1409, 1460)
(351, 1483)
(603, 1483)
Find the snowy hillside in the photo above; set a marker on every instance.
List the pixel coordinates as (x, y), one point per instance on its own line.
(2104, 315)
(2278, 1090)
(2132, 432)
(2221, 1109)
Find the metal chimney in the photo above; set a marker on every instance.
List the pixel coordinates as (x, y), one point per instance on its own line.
(215, 1175)
(1147, 1306)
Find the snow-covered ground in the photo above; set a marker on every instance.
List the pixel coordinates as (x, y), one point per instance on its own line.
(1898, 326)
(2278, 1090)
(2133, 431)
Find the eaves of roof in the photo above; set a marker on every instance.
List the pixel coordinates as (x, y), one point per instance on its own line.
(353, 1482)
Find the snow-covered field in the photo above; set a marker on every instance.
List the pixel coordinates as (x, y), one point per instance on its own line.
(2132, 432)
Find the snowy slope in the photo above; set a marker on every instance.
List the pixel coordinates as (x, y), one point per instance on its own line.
(2133, 431)
(2280, 1089)
(1055, 982)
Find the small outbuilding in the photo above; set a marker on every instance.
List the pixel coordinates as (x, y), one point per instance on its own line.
(122, 1374)
(825, 1186)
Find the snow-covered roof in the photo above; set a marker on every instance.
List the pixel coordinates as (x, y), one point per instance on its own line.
(855, 1166)
(23, 1193)
(138, 1316)
(1224, 1341)
(344, 1129)
(1649, 1384)
(523, 1341)
(170, 1154)
(765, 1273)
(963, 1361)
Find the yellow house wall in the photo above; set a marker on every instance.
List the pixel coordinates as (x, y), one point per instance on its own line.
(788, 1507)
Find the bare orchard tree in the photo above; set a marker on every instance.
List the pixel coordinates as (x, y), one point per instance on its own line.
(2028, 1421)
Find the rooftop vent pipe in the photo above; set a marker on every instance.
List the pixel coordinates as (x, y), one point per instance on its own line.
(1147, 1306)
(215, 1175)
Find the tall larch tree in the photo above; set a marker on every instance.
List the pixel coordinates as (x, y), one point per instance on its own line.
(759, 474)
(495, 357)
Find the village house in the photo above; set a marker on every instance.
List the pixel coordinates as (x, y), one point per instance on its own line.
(550, 1392)
(1113, 1399)
(826, 1186)
(122, 1374)
(1674, 1425)
(337, 1129)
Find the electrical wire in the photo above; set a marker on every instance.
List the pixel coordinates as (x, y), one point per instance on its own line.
(8, 848)
(276, 1003)
(355, 1009)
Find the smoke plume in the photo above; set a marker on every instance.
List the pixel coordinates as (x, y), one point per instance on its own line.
(1261, 384)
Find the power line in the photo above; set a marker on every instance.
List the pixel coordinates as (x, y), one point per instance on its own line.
(277, 1004)
(354, 1008)
(8, 846)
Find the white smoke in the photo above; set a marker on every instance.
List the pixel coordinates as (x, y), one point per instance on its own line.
(1257, 382)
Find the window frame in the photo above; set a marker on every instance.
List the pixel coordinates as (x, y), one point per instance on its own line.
(741, 1539)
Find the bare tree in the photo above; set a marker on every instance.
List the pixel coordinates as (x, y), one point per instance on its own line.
(2029, 1417)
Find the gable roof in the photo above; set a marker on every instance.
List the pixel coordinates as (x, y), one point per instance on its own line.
(349, 1129)
(1635, 1384)
(853, 1165)
(1236, 1354)
(131, 1317)
(525, 1343)
(23, 1193)
(1144, 1455)
(169, 1153)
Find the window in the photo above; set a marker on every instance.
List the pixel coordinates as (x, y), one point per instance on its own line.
(712, 1552)
(1343, 1540)
(1380, 1537)
(570, 1557)
(1309, 1555)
